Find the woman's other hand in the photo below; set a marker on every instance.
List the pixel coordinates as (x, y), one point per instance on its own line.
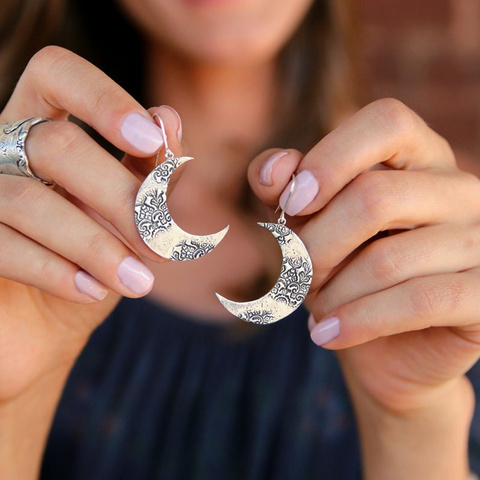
(393, 229)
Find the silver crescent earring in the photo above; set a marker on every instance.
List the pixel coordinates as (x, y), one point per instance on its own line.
(292, 285)
(153, 220)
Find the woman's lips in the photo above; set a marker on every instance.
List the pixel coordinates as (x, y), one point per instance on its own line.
(206, 3)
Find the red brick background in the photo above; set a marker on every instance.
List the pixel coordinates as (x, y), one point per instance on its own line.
(427, 54)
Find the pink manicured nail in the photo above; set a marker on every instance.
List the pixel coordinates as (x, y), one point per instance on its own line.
(267, 168)
(325, 331)
(135, 276)
(141, 133)
(180, 128)
(89, 286)
(305, 190)
(311, 322)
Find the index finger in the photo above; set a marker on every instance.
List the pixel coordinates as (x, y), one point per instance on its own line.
(57, 83)
(384, 132)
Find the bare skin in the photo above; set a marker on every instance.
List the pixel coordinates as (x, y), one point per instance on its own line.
(46, 319)
(407, 332)
(406, 304)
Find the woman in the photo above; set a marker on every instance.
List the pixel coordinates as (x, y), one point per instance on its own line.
(172, 387)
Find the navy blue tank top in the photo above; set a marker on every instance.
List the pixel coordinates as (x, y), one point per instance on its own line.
(156, 396)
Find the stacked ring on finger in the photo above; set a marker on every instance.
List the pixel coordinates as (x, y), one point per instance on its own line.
(13, 157)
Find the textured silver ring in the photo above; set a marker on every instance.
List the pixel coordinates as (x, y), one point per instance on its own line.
(13, 157)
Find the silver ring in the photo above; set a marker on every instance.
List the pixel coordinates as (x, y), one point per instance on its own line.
(13, 157)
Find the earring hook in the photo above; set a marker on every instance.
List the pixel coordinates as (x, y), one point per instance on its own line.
(282, 220)
(168, 153)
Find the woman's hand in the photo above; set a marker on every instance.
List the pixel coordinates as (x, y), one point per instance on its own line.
(69, 253)
(393, 229)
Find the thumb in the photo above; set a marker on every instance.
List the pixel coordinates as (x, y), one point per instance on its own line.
(270, 172)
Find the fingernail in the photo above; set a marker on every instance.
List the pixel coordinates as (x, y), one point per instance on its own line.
(89, 286)
(141, 133)
(325, 331)
(135, 276)
(180, 129)
(311, 322)
(305, 190)
(267, 168)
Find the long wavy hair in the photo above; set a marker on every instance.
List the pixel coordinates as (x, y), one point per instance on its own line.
(317, 68)
(317, 71)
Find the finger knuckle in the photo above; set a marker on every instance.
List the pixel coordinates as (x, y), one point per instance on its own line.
(62, 140)
(373, 196)
(384, 262)
(431, 300)
(18, 194)
(98, 244)
(396, 114)
(47, 267)
(424, 301)
(45, 59)
(373, 324)
(103, 97)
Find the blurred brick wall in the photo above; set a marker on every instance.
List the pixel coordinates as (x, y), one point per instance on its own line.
(427, 54)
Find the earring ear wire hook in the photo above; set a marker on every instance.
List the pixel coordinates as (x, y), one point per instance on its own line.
(282, 220)
(168, 153)
(293, 283)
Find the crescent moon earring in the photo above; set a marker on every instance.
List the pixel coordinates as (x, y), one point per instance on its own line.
(293, 284)
(153, 220)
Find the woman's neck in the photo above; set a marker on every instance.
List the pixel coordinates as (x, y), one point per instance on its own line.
(227, 111)
(227, 116)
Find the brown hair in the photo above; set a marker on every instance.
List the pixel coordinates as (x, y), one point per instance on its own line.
(317, 67)
(25, 27)
(319, 74)
(317, 70)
